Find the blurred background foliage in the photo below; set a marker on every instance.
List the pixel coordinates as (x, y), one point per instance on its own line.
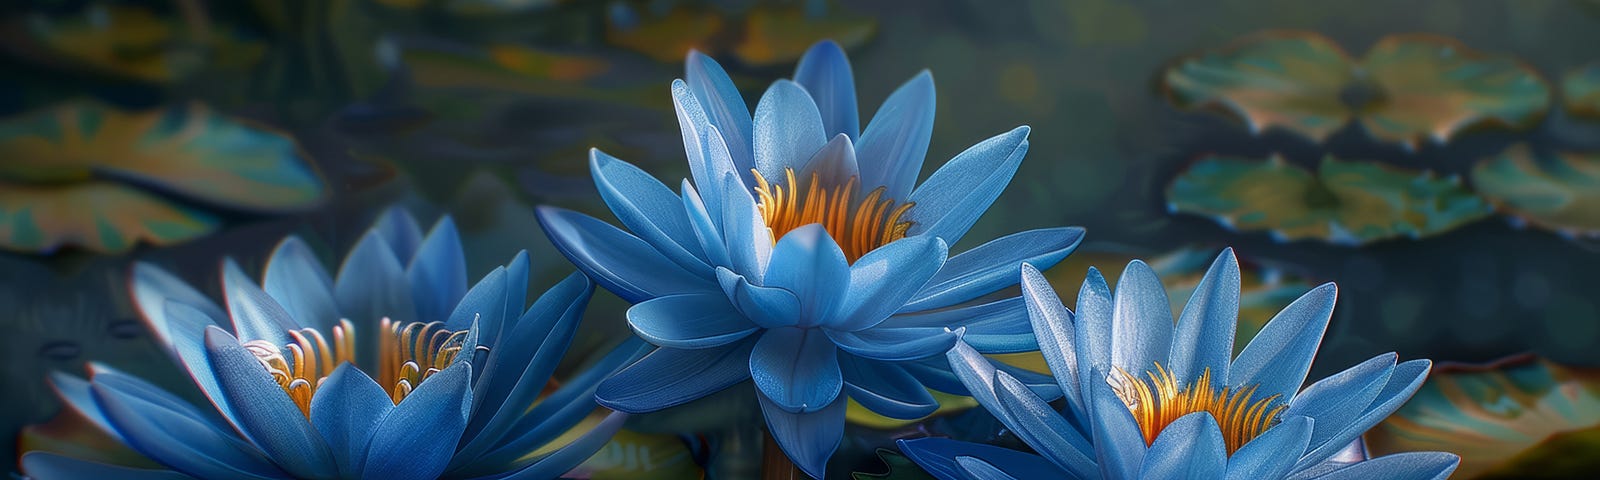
(1441, 162)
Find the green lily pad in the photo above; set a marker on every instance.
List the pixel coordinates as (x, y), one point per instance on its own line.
(1581, 89)
(1520, 418)
(632, 454)
(134, 42)
(100, 216)
(763, 35)
(1344, 203)
(1559, 192)
(779, 36)
(1408, 87)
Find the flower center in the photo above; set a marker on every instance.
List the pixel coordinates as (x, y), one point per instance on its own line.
(857, 226)
(1159, 401)
(408, 353)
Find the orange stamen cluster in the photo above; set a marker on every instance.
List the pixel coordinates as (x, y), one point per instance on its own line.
(858, 227)
(408, 354)
(1160, 401)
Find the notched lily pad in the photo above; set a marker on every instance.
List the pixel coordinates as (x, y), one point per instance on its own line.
(1557, 191)
(1581, 90)
(1344, 203)
(1520, 418)
(1408, 86)
(86, 174)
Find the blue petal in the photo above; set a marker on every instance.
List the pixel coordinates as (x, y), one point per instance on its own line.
(1273, 453)
(698, 134)
(807, 438)
(264, 411)
(1204, 338)
(896, 344)
(884, 279)
(297, 281)
(724, 108)
(1000, 326)
(1337, 400)
(833, 165)
(938, 456)
(981, 470)
(48, 466)
(152, 287)
(825, 73)
(417, 438)
(896, 140)
(256, 316)
(1093, 332)
(400, 231)
(698, 320)
(346, 409)
(796, 368)
(670, 377)
(1053, 327)
(1118, 444)
(809, 264)
(1190, 447)
(485, 303)
(516, 300)
(788, 130)
(1141, 324)
(1279, 357)
(649, 209)
(886, 388)
(179, 437)
(994, 265)
(953, 198)
(617, 260)
(936, 374)
(765, 306)
(745, 233)
(372, 285)
(1043, 429)
(1041, 384)
(438, 273)
(187, 331)
(74, 394)
(705, 226)
(1404, 382)
(1400, 466)
(573, 454)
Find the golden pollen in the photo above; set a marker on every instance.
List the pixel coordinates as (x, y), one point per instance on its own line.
(408, 353)
(857, 226)
(1159, 401)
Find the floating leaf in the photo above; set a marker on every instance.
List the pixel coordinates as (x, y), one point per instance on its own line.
(1519, 418)
(1560, 192)
(632, 454)
(135, 42)
(539, 63)
(100, 216)
(667, 38)
(775, 35)
(1408, 87)
(1275, 79)
(1345, 203)
(1581, 89)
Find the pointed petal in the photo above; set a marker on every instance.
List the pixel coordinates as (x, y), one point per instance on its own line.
(981, 470)
(886, 388)
(1092, 329)
(1000, 326)
(151, 288)
(796, 368)
(1119, 446)
(617, 260)
(346, 409)
(649, 209)
(1141, 324)
(400, 231)
(187, 329)
(417, 438)
(809, 264)
(45, 465)
(1279, 357)
(256, 316)
(699, 320)
(810, 438)
(1043, 429)
(884, 279)
(896, 140)
(670, 377)
(834, 164)
(788, 130)
(939, 457)
(1054, 330)
(297, 281)
(694, 127)
(825, 73)
(705, 225)
(896, 344)
(1404, 382)
(1337, 400)
(178, 437)
(438, 273)
(74, 395)
(485, 303)
(765, 306)
(1400, 466)
(995, 265)
(264, 412)
(1204, 339)
(953, 198)
(723, 105)
(372, 285)
(748, 240)
(573, 454)
(1273, 453)
(1191, 447)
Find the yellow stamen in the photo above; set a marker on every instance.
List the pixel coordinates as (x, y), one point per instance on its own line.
(858, 228)
(1160, 401)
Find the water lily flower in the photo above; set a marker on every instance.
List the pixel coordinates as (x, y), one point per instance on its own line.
(394, 369)
(1152, 400)
(805, 256)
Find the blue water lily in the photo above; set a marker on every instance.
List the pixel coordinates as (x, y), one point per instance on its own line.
(1149, 399)
(394, 369)
(805, 256)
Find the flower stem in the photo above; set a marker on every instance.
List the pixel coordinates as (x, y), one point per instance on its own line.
(775, 465)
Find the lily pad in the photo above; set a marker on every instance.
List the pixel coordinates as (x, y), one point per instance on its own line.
(1344, 203)
(763, 35)
(1556, 191)
(1520, 418)
(776, 35)
(86, 174)
(1408, 87)
(632, 454)
(135, 42)
(1581, 89)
